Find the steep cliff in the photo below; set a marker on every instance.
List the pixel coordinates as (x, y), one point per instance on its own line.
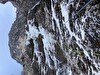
(56, 37)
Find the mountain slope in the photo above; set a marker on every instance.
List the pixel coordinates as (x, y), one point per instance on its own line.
(56, 37)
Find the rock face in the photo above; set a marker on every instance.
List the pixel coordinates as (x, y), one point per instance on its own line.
(56, 37)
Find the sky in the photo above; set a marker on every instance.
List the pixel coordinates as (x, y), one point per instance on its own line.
(8, 66)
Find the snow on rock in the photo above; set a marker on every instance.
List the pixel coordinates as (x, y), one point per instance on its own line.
(48, 38)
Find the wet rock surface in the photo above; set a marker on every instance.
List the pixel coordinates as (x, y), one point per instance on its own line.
(50, 37)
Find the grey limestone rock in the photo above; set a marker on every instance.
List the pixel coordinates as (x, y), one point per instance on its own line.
(48, 37)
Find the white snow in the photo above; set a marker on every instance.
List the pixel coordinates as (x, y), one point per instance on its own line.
(48, 41)
(82, 33)
(70, 72)
(94, 72)
(65, 14)
(55, 18)
(36, 51)
(57, 22)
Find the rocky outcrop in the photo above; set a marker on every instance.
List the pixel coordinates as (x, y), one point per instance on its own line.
(56, 37)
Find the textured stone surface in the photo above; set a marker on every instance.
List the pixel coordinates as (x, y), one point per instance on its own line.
(48, 38)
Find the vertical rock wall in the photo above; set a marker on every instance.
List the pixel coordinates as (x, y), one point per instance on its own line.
(53, 37)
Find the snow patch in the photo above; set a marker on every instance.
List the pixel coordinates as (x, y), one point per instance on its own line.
(57, 22)
(65, 14)
(48, 40)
